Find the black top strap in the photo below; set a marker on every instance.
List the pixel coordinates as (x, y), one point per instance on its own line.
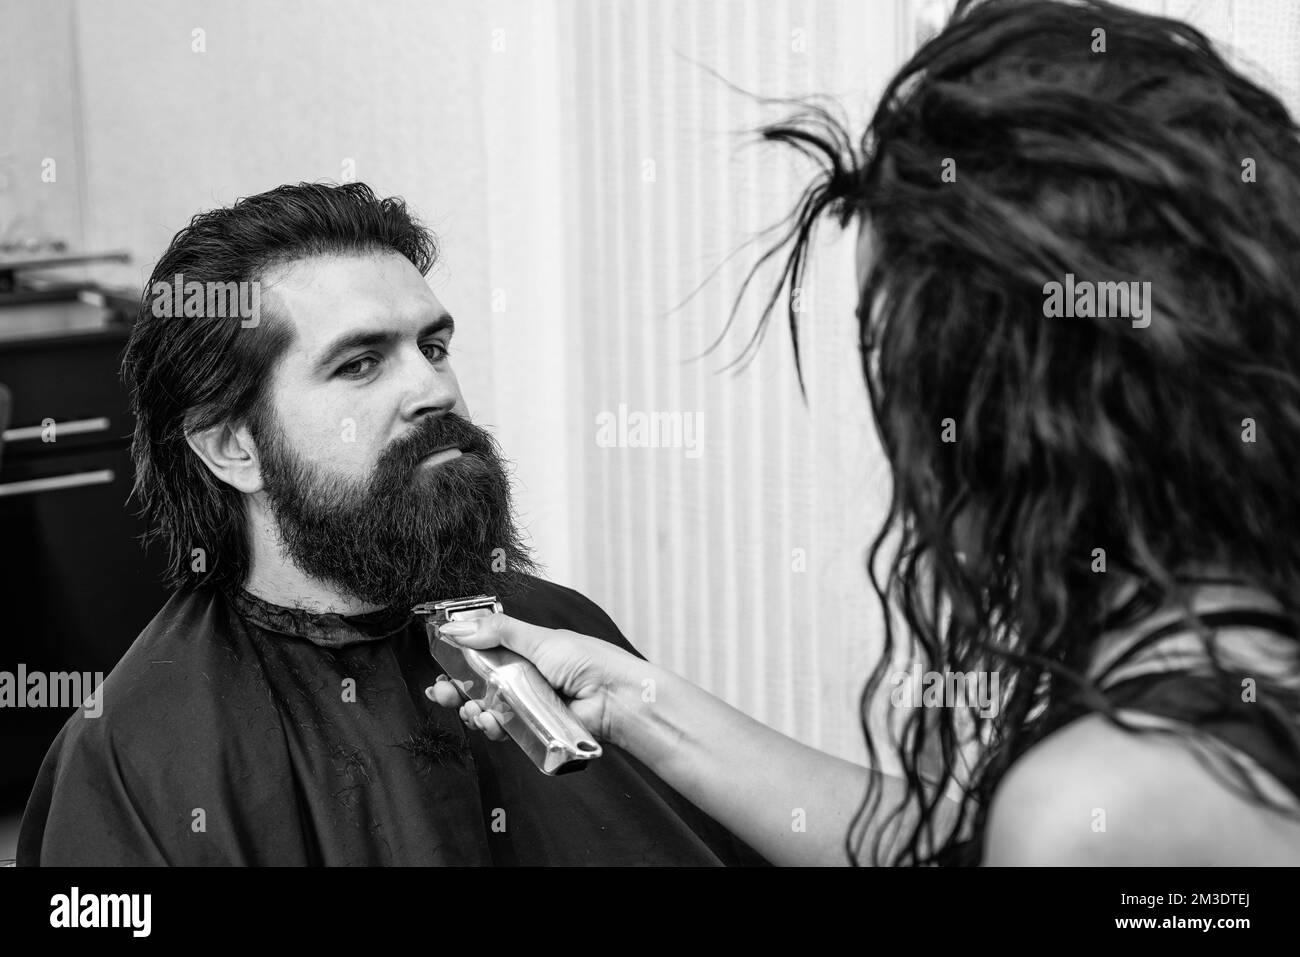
(1229, 618)
(1262, 729)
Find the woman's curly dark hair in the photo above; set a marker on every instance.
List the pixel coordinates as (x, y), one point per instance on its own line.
(1154, 161)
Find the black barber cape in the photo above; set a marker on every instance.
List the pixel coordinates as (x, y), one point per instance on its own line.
(227, 737)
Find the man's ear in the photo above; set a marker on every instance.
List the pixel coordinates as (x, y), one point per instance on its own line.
(230, 454)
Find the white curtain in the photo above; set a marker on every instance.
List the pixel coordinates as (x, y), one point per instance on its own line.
(739, 564)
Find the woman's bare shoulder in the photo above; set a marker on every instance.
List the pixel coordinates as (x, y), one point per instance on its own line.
(1095, 794)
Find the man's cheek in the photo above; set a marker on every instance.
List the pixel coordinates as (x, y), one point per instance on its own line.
(349, 446)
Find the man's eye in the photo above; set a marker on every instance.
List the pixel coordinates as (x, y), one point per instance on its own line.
(441, 350)
(352, 370)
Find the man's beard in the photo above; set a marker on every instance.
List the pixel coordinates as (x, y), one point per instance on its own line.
(409, 533)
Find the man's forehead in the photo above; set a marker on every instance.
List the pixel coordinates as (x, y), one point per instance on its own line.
(323, 296)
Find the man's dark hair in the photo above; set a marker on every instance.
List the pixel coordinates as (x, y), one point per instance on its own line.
(1153, 160)
(187, 374)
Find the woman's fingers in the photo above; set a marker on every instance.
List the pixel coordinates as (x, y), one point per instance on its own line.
(444, 693)
(478, 719)
(500, 629)
(490, 725)
(573, 664)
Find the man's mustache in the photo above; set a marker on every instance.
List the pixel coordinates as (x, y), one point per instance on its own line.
(431, 435)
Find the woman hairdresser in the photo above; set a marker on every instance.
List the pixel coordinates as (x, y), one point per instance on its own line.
(1114, 530)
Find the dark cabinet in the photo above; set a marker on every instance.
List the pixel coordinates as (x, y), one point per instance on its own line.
(76, 584)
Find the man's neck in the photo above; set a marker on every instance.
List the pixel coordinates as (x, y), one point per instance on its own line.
(274, 578)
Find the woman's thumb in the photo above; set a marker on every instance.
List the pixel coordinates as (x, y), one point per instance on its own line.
(492, 630)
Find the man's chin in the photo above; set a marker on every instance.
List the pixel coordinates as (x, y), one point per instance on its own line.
(412, 594)
(389, 584)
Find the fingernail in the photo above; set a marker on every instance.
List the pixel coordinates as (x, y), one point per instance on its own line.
(441, 678)
(428, 693)
(458, 629)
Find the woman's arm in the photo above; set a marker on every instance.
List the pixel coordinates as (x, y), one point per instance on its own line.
(791, 803)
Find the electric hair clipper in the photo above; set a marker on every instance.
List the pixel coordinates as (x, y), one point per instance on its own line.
(509, 684)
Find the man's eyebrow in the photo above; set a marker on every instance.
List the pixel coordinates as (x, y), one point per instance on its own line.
(370, 338)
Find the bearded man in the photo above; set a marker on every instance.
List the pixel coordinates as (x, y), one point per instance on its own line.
(314, 473)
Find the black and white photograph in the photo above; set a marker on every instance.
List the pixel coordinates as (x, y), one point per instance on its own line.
(651, 433)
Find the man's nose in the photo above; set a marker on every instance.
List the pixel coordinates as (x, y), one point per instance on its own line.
(430, 389)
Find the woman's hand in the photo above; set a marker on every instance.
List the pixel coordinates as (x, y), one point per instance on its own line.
(746, 776)
(588, 673)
